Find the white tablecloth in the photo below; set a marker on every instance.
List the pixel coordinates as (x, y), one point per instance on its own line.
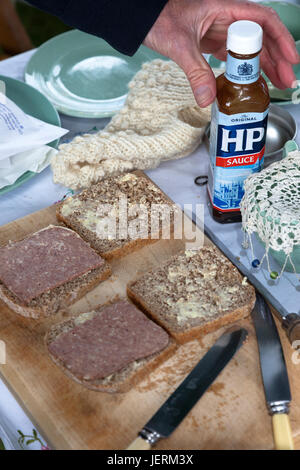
(175, 178)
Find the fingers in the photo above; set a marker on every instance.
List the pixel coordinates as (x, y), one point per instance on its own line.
(221, 54)
(282, 40)
(200, 76)
(270, 69)
(273, 27)
(284, 68)
(280, 50)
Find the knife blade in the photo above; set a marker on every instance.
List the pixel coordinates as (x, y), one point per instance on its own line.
(182, 400)
(274, 373)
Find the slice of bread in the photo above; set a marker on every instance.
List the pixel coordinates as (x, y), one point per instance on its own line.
(85, 211)
(90, 345)
(65, 293)
(195, 293)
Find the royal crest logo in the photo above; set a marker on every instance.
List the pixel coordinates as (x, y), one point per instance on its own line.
(245, 69)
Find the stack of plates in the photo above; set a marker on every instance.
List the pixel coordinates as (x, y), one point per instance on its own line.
(81, 76)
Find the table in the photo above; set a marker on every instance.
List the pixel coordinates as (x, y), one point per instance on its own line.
(176, 179)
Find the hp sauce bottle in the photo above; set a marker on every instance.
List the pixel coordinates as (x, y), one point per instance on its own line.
(239, 122)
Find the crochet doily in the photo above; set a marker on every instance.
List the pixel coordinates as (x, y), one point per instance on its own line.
(271, 207)
(159, 121)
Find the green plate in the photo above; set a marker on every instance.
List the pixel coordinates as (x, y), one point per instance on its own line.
(289, 14)
(34, 103)
(82, 75)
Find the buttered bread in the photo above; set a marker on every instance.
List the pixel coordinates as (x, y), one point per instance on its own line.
(196, 292)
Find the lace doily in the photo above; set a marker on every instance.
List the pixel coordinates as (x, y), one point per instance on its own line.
(271, 209)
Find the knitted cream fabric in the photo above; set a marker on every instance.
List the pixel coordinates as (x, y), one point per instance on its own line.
(159, 121)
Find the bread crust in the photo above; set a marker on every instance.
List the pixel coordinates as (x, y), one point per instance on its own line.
(126, 249)
(101, 274)
(129, 247)
(119, 382)
(209, 274)
(200, 330)
(70, 298)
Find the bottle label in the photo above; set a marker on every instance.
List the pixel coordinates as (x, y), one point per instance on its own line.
(242, 71)
(237, 146)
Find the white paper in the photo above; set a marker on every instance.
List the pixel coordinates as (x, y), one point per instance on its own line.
(20, 132)
(35, 160)
(6, 163)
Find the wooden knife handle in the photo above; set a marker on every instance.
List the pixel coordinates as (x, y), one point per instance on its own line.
(291, 324)
(282, 432)
(139, 444)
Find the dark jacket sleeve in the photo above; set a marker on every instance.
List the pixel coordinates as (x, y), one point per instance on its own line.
(124, 24)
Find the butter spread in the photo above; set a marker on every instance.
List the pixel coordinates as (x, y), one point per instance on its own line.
(127, 177)
(192, 309)
(69, 206)
(154, 188)
(176, 271)
(190, 253)
(192, 305)
(84, 317)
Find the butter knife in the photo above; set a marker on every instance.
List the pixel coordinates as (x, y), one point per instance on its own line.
(274, 373)
(178, 405)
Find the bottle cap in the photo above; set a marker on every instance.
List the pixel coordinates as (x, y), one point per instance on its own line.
(244, 37)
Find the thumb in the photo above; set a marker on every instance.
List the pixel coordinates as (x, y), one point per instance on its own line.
(200, 76)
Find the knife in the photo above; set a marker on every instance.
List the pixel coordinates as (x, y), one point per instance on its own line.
(178, 405)
(274, 373)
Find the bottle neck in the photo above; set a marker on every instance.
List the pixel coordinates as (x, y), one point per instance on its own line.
(242, 69)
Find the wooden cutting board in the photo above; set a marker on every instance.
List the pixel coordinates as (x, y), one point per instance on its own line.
(231, 415)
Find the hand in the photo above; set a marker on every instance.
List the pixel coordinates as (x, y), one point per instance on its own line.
(187, 28)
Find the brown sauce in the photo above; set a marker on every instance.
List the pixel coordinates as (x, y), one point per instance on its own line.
(233, 98)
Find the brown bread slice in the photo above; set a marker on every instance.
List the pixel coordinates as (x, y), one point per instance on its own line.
(109, 349)
(53, 299)
(195, 293)
(81, 212)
